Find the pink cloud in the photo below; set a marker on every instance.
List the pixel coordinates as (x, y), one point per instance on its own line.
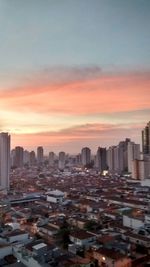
(92, 135)
(100, 93)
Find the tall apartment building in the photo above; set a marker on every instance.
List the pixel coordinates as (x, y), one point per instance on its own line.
(146, 139)
(123, 145)
(40, 155)
(85, 156)
(4, 160)
(111, 158)
(26, 157)
(140, 169)
(18, 156)
(118, 157)
(101, 164)
(133, 153)
(32, 159)
(62, 160)
(78, 159)
(51, 159)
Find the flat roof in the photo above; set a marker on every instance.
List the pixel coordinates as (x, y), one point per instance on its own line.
(39, 246)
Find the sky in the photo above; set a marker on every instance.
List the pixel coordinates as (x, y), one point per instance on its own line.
(74, 73)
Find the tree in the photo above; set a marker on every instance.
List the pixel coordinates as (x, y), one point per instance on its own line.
(63, 235)
(90, 225)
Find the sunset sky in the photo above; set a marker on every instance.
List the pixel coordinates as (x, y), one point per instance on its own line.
(74, 73)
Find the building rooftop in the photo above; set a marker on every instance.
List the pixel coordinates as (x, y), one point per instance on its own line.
(110, 253)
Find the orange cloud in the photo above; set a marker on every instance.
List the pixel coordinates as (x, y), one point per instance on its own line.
(102, 93)
(58, 99)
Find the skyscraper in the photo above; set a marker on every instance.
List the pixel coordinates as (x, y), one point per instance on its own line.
(101, 159)
(18, 161)
(117, 157)
(133, 153)
(140, 169)
(4, 160)
(32, 158)
(26, 157)
(62, 159)
(146, 139)
(85, 156)
(51, 159)
(110, 158)
(40, 155)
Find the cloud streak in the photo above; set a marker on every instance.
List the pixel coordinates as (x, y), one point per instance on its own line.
(79, 91)
(88, 134)
(76, 106)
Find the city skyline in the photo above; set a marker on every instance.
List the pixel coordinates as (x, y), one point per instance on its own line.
(74, 75)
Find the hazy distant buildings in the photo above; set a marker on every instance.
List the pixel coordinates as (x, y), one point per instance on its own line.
(26, 157)
(4, 160)
(101, 164)
(61, 160)
(40, 155)
(32, 159)
(85, 156)
(18, 156)
(146, 139)
(51, 159)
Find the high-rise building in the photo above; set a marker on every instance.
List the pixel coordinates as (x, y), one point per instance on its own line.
(26, 157)
(51, 159)
(62, 160)
(85, 156)
(146, 139)
(32, 158)
(101, 164)
(4, 160)
(117, 157)
(40, 155)
(133, 152)
(123, 145)
(78, 159)
(18, 156)
(110, 158)
(12, 157)
(140, 169)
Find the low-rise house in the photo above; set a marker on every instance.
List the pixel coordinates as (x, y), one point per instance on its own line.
(48, 230)
(137, 239)
(77, 222)
(133, 221)
(55, 196)
(82, 238)
(76, 261)
(16, 236)
(132, 203)
(109, 257)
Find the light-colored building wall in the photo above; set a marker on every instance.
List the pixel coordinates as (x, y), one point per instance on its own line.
(133, 223)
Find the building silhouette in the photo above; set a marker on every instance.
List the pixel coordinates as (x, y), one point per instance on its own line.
(4, 160)
(146, 139)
